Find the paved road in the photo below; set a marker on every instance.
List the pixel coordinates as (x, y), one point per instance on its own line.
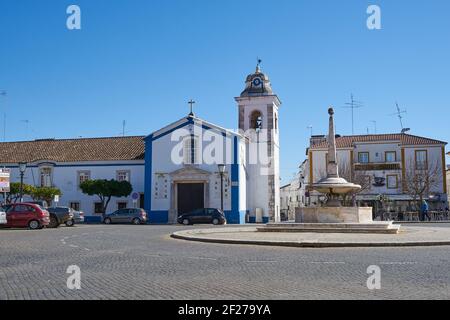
(143, 262)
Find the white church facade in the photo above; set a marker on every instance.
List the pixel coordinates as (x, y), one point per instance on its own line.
(182, 159)
(174, 169)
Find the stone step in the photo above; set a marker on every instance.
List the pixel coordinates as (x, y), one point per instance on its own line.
(374, 227)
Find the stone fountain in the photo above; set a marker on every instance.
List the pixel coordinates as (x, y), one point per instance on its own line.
(333, 217)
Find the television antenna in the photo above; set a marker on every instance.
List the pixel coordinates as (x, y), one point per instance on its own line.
(310, 127)
(399, 114)
(353, 104)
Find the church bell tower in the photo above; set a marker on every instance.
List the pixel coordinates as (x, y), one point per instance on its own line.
(258, 121)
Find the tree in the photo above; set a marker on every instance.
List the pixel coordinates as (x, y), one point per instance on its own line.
(421, 179)
(106, 189)
(14, 194)
(45, 193)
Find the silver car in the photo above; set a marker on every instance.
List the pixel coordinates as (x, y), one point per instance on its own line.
(3, 217)
(134, 216)
(78, 216)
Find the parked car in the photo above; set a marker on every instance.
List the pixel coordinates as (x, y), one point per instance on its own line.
(134, 216)
(207, 215)
(22, 215)
(41, 203)
(60, 215)
(3, 216)
(78, 216)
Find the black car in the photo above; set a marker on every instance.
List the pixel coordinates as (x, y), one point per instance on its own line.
(207, 215)
(60, 215)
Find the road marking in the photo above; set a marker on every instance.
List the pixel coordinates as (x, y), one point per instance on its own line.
(202, 258)
(398, 263)
(327, 262)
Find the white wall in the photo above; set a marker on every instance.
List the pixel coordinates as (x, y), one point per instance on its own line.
(65, 177)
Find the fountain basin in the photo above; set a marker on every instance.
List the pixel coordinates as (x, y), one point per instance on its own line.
(334, 215)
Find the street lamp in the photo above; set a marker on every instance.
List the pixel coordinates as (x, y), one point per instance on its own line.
(221, 172)
(22, 168)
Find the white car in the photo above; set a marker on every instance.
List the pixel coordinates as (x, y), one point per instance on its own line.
(2, 217)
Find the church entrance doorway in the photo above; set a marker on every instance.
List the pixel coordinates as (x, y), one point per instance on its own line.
(190, 196)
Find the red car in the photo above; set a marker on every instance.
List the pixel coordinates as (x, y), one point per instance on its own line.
(22, 215)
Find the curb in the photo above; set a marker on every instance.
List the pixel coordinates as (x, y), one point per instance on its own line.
(181, 235)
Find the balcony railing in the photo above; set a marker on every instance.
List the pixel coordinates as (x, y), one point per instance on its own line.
(372, 166)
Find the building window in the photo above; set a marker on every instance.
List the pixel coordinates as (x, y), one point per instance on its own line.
(123, 175)
(276, 122)
(122, 205)
(421, 159)
(46, 177)
(98, 208)
(190, 150)
(363, 157)
(256, 121)
(391, 156)
(83, 176)
(392, 181)
(75, 206)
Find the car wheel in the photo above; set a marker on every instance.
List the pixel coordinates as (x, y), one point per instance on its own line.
(107, 221)
(216, 221)
(186, 222)
(136, 221)
(53, 222)
(34, 224)
(70, 223)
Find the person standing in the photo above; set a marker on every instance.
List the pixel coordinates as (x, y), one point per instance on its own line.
(424, 211)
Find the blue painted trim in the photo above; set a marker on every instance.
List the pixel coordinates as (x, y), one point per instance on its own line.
(235, 180)
(235, 217)
(190, 121)
(265, 219)
(92, 219)
(252, 220)
(148, 174)
(158, 217)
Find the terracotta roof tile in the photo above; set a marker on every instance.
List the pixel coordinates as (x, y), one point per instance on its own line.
(73, 150)
(404, 139)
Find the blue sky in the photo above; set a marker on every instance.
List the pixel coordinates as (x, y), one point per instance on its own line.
(141, 61)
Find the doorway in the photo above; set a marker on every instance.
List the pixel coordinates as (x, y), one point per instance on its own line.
(190, 196)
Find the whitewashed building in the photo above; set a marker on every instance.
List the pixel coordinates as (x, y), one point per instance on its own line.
(293, 194)
(383, 160)
(66, 163)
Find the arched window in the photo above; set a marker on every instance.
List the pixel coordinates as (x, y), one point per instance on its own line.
(256, 121)
(190, 150)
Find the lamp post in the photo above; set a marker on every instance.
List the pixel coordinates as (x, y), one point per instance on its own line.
(221, 172)
(22, 168)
